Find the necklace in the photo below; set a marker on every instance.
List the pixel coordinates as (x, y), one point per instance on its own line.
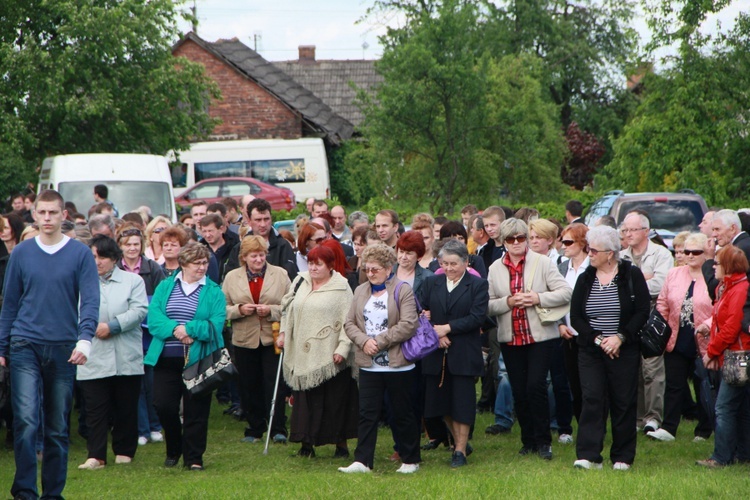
(611, 277)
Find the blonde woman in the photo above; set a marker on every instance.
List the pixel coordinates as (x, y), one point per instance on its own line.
(153, 238)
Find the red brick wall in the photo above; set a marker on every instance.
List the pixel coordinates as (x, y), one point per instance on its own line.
(246, 110)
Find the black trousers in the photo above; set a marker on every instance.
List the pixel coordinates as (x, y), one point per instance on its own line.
(187, 439)
(372, 387)
(561, 389)
(527, 367)
(677, 369)
(618, 379)
(570, 355)
(112, 400)
(257, 375)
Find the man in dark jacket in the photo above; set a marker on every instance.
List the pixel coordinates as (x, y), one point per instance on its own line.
(280, 252)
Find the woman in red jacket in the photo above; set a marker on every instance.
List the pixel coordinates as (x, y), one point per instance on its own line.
(732, 424)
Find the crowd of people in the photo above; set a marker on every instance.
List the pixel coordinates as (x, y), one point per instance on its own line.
(546, 314)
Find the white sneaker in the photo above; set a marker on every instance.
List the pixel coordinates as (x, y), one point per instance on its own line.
(143, 440)
(157, 437)
(91, 464)
(651, 426)
(621, 466)
(408, 468)
(660, 435)
(698, 439)
(355, 468)
(123, 459)
(585, 464)
(565, 439)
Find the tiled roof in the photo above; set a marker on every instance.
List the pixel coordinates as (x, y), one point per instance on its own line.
(313, 110)
(330, 80)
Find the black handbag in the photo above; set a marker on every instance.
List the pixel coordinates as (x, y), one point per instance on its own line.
(209, 373)
(654, 335)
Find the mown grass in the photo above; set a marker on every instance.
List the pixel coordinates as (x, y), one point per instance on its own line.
(239, 470)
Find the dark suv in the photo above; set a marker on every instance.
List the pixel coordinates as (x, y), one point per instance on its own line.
(670, 213)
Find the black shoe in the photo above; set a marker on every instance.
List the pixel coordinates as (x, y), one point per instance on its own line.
(527, 450)
(545, 451)
(496, 429)
(306, 451)
(483, 409)
(469, 449)
(171, 461)
(340, 452)
(432, 444)
(458, 460)
(231, 410)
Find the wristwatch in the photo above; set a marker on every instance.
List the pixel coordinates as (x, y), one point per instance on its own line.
(621, 337)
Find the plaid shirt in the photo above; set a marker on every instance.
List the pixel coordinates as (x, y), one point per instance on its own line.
(521, 329)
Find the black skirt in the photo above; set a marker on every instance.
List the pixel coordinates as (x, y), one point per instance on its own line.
(327, 414)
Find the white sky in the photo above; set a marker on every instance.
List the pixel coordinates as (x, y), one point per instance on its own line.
(331, 25)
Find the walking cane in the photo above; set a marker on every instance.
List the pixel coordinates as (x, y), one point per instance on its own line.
(280, 352)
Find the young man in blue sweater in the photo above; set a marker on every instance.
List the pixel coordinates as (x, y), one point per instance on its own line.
(50, 314)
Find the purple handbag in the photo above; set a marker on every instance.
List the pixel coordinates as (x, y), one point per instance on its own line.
(425, 338)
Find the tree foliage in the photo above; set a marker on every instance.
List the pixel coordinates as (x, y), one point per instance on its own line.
(96, 76)
(691, 129)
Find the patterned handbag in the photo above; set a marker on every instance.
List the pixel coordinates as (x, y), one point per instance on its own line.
(208, 373)
(734, 370)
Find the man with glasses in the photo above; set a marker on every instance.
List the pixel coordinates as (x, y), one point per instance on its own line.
(654, 261)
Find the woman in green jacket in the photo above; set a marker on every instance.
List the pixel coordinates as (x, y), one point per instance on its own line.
(186, 317)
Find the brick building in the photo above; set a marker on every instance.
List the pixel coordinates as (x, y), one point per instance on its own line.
(260, 101)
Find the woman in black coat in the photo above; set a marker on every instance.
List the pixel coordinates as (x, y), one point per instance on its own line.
(457, 303)
(610, 304)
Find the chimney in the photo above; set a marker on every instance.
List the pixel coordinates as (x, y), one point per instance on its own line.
(306, 53)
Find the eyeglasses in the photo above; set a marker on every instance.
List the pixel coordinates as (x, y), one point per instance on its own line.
(595, 252)
(567, 243)
(628, 230)
(373, 270)
(200, 263)
(693, 252)
(515, 239)
(717, 264)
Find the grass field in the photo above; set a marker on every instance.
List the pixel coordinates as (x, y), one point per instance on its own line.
(240, 470)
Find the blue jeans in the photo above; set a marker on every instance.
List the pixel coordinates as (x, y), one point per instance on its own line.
(732, 424)
(504, 398)
(35, 366)
(148, 420)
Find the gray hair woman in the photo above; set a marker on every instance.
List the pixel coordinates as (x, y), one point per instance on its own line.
(457, 304)
(609, 306)
(519, 282)
(378, 323)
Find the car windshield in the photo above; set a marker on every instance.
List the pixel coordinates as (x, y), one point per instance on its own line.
(673, 215)
(127, 196)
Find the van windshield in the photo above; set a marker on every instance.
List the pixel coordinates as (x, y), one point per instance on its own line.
(126, 195)
(674, 215)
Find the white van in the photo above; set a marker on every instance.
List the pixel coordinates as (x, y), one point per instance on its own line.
(298, 164)
(133, 180)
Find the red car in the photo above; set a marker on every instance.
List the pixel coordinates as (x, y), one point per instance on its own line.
(215, 189)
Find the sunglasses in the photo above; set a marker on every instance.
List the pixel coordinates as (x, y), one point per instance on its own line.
(595, 252)
(693, 252)
(567, 243)
(373, 270)
(131, 232)
(515, 239)
(160, 230)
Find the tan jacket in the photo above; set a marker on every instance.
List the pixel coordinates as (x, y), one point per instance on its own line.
(402, 323)
(250, 331)
(552, 288)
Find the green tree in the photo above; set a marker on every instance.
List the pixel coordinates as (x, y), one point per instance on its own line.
(690, 131)
(426, 122)
(96, 76)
